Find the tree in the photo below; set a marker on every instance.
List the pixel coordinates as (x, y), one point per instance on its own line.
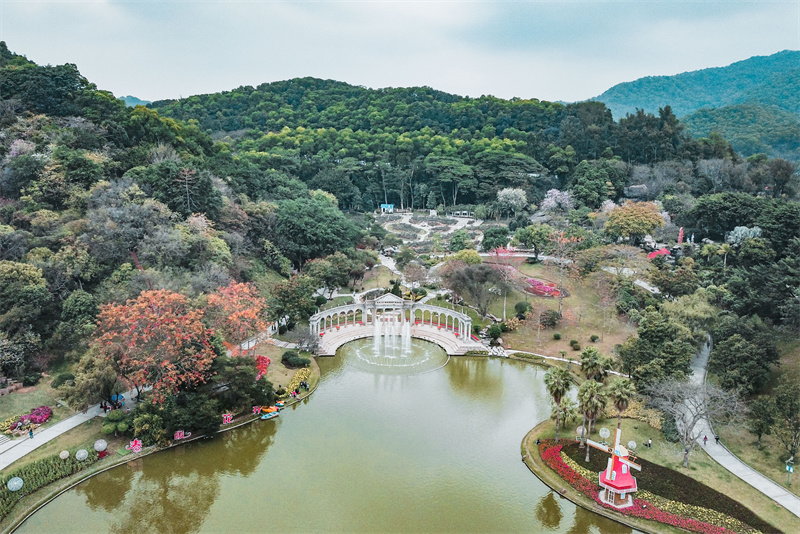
(761, 417)
(311, 227)
(558, 383)
(558, 202)
(634, 220)
(468, 256)
(292, 300)
(95, 381)
(511, 199)
(689, 403)
(459, 240)
(494, 238)
(591, 401)
(23, 296)
(787, 415)
(415, 274)
(479, 283)
(156, 339)
(535, 236)
(452, 175)
(331, 272)
(620, 392)
(405, 256)
(563, 248)
(237, 312)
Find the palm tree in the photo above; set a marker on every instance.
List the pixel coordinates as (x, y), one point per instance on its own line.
(558, 382)
(592, 401)
(621, 392)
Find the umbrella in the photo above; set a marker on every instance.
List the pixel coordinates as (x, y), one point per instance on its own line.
(64, 455)
(81, 455)
(100, 445)
(15, 484)
(117, 398)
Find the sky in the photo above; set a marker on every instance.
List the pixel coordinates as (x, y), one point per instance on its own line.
(550, 50)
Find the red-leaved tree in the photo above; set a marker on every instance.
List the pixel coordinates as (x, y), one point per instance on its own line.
(237, 312)
(157, 340)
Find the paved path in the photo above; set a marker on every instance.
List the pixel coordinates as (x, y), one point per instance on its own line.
(13, 450)
(727, 459)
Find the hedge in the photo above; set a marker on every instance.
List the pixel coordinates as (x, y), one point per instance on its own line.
(38, 474)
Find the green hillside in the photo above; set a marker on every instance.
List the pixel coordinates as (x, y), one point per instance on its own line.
(766, 80)
(750, 129)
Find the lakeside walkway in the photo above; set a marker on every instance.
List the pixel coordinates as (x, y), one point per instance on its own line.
(730, 461)
(13, 450)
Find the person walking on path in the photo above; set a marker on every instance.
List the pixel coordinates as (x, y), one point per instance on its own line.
(705, 440)
(716, 438)
(30, 433)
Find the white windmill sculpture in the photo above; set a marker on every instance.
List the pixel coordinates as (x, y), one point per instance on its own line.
(616, 481)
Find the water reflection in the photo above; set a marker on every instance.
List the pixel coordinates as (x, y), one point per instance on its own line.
(548, 512)
(366, 453)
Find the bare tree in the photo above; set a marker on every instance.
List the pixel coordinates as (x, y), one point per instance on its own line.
(689, 403)
(415, 274)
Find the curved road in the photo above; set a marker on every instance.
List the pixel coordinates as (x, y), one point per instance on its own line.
(727, 459)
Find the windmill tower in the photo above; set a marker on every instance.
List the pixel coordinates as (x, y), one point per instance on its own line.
(616, 481)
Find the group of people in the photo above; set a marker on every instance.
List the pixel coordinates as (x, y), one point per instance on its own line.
(303, 385)
(705, 440)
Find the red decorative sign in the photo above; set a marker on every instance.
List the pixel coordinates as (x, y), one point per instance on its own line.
(135, 446)
(180, 434)
(227, 418)
(256, 410)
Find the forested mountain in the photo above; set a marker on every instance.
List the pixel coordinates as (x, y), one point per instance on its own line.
(753, 103)
(132, 101)
(100, 202)
(750, 128)
(766, 80)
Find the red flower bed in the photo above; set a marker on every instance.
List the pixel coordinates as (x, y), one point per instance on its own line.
(551, 454)
(537, 287)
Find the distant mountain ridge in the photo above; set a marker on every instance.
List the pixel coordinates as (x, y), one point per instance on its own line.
(132, 101)
(754, 104)
(762, 79)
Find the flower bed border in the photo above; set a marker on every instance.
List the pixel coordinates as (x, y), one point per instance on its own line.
(550, 453)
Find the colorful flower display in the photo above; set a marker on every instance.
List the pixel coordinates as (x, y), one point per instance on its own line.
(36, 417)
(657, 509)
(543, 289)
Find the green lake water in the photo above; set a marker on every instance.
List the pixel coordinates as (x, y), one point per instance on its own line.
(437, 451)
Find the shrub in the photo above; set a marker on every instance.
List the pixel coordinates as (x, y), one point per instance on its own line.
(494, 331)
(522, 307)
(573, 342)
(419, 292)
(115, 416)
(594, 338)
(291, 359)
(320, 301)
(504, 327)
(670, 429)
(109, 429)
(549, 318)
(31, 380)
(62, 379)
(576, 346)
(556, 336)
(476, 328)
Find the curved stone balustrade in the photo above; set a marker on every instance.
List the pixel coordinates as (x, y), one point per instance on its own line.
(449, 329)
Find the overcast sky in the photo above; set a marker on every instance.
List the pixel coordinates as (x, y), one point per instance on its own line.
(557, 50)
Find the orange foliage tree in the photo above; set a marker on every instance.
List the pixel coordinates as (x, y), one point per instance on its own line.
(237, 312)
(156, 339)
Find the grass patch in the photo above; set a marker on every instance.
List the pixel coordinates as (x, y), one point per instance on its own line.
(376, 277)
(26, 400)
(582, 318)
(701, 468)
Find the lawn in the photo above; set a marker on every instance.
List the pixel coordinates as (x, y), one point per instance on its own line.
(701, 468)
(25, 400)
(582, 318)
(376, 277)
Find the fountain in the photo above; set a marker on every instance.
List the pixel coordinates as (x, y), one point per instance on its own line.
(392, 349)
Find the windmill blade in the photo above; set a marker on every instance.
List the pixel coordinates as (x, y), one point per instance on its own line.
(630, 464)
(604, 448)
